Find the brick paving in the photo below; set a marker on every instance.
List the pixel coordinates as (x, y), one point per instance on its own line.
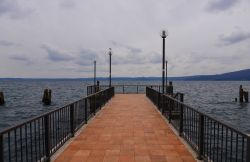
(128, 129)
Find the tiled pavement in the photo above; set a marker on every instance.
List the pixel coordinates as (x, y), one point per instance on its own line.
(128, 129)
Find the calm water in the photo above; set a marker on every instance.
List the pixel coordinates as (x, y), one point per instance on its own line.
(23, 98)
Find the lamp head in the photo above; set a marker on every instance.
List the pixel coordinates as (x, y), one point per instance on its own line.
(164, 34)
(110, 51)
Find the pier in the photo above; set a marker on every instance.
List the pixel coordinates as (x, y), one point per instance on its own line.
(129, 128)
(124, 123)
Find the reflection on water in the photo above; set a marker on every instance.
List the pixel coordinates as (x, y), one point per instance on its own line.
(23, 98)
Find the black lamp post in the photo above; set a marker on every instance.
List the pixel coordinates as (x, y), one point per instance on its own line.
(166, 74)
(163, 35)
(95, 74)
(110, 53)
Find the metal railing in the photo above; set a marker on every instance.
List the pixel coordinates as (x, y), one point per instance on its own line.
(212, 139)
(124, 89)
(39, 138)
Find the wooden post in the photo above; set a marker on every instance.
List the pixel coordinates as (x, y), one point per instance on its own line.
(47, 96)
(241, 94)
(2, 98)
(170, 88)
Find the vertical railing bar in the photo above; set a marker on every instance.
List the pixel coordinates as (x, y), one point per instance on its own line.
(39, 140)
(43, 137)
(63, 122)
(26, 142)
(9, 133)
(55, 130)
(35, 140)
(218, 136)
(231, 147)
(210, 138)
(1, 148)
(236, 147)
(201, 136)
(52, 134)
(213, 141)
(15, 145)
(222, 136)
(21, 143)
(47, 137)
(226, 142)
(72, 129)
(243, 149)
(248, 150)
(86, 110)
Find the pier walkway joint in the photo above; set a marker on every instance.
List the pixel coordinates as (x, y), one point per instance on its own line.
(128, 129)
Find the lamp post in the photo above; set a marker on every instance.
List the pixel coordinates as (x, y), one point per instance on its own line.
(163, 35)
(166, 74)
(110, 53)
(95, 75)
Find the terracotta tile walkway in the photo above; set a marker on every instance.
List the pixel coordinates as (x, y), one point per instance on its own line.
(128, 129)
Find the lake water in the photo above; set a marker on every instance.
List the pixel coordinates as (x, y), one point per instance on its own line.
(23, 98)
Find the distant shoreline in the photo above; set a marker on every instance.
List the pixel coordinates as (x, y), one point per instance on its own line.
(242, 75)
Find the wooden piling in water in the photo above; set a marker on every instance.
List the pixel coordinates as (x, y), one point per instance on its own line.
(170, 88)
(241, 94)
(47, 96)
(2, 101)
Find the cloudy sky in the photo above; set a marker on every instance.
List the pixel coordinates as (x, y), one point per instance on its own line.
(62, 38)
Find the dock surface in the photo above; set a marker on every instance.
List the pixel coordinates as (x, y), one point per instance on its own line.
(127, 129)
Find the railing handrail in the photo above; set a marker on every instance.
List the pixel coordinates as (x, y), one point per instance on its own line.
(44, 114)
(209, 116)
(200, 129)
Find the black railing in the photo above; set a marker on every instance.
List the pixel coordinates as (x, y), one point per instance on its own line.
(39, 138)
(212, 139)
(123, 89)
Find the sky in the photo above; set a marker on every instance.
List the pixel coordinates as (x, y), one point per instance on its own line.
(62, 38)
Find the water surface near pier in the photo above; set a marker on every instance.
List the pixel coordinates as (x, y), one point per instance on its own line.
(23, 98)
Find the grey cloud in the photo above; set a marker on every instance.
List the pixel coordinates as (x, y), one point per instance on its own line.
(155, 58)
(56, 55)
(86, 57)
(13, 9)
(6, 43)
(130, 58)
(221, 5)
(234, 38)
(130, 48)
(21, 59)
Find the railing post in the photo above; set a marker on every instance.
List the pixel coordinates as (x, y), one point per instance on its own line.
(123, 89)
(181, 97)
(47, 137)
(86, 110)
(159, 100)
(162, 103)
(181, 120)
(171, 104)
(248, 150)
(137, 89)
(72, 128)
(94, 104)
(200, 136)
(1, 148)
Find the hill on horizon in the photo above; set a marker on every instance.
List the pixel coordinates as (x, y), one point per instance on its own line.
(241, 75)
(230, 76)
